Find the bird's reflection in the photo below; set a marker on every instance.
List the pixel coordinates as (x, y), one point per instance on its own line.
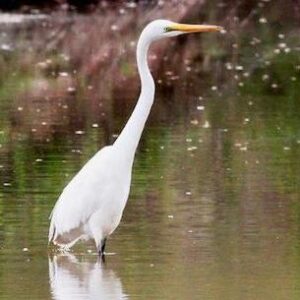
(74, 279)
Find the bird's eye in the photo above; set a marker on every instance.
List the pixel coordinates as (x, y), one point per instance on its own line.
(168, 29)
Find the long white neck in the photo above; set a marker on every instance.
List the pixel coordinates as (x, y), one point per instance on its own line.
(129, 138)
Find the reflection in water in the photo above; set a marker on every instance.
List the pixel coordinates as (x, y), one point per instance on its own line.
(74, 279)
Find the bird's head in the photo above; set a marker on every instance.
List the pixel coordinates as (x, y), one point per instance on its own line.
(159, 29)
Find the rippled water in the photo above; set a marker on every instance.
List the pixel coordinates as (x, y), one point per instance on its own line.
(214, 206)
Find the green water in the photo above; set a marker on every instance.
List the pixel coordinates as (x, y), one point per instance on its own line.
(214, 209)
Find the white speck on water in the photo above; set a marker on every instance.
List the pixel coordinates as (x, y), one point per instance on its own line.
(170, 216)
(250, 103)
(188, 140)
(206, 125)
(200, 107)
(39, 160)
(79, 132)
(193, 148)
(71, 89)
(293, 78)
(44, 123)
(265, 77)
(241, 84)
(76, 151)
(63, 74)
(95, 125)
(274, 85)
(114, 27)
(281, 36)
(214, 88)
(20, 108)
(190, 231)
(277, 51)
(194, 122)
(246, 74)
(151, 265)
(263, 20)
(188, 193)
(239, 68)
(282, 45)
(223, 31)
(286, 148)
(89, 251)
(6, 47)
(6, 184)
(287, 50)
(33, 130)
(131, 5)
(25, 249)
(162, 147)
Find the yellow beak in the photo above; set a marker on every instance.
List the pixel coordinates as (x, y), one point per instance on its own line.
(195, 28)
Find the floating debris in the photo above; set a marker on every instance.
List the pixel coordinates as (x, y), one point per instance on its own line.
(6, 47)
(114, 27)
(71, 89)
(79, 132)
(263, 20)
(193, 148)
(170, 216)
(265, 77)
(206, 125)
(63, 74)
(25, 249)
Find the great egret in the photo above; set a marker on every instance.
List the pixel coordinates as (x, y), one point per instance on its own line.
(91, 205)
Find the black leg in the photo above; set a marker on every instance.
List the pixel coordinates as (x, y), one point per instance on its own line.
(103, 244)
(102, 249)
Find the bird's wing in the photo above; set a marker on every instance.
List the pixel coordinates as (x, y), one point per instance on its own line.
(82, 196)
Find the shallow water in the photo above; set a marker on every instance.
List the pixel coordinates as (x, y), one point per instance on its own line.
(214, 206)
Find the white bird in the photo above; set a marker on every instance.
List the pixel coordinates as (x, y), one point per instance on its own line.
(92, 204)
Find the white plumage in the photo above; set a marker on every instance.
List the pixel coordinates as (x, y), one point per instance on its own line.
(91, 205)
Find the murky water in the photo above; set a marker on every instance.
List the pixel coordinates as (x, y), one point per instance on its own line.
(214, 209)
